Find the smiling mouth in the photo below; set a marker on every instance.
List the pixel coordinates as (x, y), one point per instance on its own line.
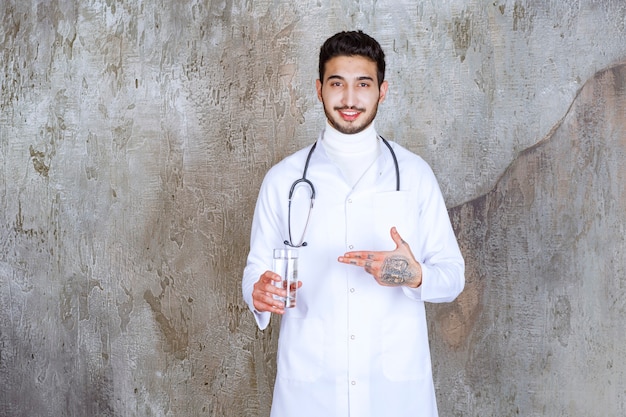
(349, 114)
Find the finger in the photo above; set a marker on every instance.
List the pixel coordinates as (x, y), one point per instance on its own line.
(396, 237)
(350, 259)
(358, 257)
(270, 276)
(266, 302)
(272, 308)
(369, 267)
(353, 255)
(267, 287)
(366, 262)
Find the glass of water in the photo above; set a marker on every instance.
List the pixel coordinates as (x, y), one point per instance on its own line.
(286, 265)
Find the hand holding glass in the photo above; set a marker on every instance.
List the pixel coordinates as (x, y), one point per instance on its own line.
(286, 265)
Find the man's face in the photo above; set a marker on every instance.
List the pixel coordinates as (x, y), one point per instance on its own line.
(350, 93)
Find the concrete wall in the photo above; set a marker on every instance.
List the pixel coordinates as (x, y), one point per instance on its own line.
(134, 136)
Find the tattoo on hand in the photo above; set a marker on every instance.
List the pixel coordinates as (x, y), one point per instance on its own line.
(395, 271)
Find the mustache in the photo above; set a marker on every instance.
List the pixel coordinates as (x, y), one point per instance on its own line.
(349, 108)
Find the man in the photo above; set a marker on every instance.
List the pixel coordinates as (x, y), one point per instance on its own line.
(376, 245)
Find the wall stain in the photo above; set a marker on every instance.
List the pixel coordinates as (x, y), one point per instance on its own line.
(561, 313)
(461, 35)
(124, 309)
(19, 224)
(74, 303)
(235, 313)
(458, 319)
(522, 19)
(483, 224)
(175, 327)
(38, 158)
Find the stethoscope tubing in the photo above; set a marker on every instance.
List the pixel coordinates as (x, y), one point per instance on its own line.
(304, 180)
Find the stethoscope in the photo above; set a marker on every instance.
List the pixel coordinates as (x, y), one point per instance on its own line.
(307, 182)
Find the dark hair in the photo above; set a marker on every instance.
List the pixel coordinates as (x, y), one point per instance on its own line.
(353, 43)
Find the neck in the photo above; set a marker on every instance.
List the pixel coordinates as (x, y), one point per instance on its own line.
(354, 154)
(340, 143)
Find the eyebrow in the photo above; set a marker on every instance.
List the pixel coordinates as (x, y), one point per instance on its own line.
(339, 77)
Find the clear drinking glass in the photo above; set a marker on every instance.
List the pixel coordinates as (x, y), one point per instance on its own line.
(286, 265)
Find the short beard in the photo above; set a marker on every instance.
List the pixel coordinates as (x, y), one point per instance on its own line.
(350, 129)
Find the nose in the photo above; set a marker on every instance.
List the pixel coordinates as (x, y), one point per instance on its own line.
(349, 97)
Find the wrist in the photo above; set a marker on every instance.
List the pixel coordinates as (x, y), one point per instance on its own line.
(417, 281)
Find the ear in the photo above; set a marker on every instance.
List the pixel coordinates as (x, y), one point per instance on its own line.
(383, 91)
(318, 87)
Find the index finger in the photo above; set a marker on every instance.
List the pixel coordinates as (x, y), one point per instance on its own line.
(270, 276)
(350, 257)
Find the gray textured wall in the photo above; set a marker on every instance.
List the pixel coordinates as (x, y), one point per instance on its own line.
(134, 136)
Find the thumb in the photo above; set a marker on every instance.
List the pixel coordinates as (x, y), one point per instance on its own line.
(396, 237)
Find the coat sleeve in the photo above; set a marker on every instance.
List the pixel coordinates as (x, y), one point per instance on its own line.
(443, 267)
(264, 237)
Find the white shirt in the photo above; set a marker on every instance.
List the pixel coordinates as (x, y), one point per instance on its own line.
(351, 347)
(352, 153)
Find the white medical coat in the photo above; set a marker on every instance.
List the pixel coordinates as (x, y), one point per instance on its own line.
(351, 347)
